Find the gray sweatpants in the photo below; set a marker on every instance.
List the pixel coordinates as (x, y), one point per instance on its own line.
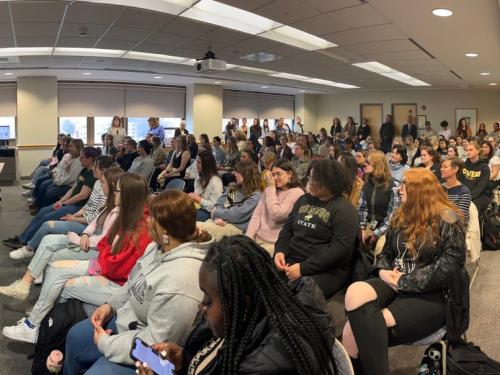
(68, 279)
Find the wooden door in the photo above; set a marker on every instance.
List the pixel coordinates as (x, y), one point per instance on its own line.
(374, 114)
(400, 113)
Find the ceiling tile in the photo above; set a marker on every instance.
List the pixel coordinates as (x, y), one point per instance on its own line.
(152, 48)
(168, 39)
(287, 11)
(96, 62)
(398, 55)
(6, 42)
(225, 36)
(76, 42)
(366, 34)
(143, 19)
(251, 45)
(5, 29)
(4, 13)
(359, 16)
(36, 29)
(127, 33)
(185, 52)
(35, 61)
(182, 26)
(38, 11)
(66, 61)
(73, 29)
(427, 62)
(329, 5)
(245, 4)
(285, 51)
(203, 46)
(321, 24)
(35, 41)
(85, 13)
(381, 47)
(116, 44)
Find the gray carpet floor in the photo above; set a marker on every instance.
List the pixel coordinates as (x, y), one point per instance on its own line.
(485, 299)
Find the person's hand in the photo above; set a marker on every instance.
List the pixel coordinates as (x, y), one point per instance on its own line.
(99, 332)
(391, 278)
(171, 352)
(269, 178)
(219, 222)
(293, 272)
(69, 217)
(163, 166)
(143, 369)
(57, 205)
(195, 197)
(85, 243)
(363, 235)
(280, 262)
(102, 315)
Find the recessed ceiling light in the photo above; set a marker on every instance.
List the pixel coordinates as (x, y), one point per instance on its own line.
(302, 91)
(264, 87)
(216, 83)
(261, 57)
(8, 74)
(493, 84)
(86, 73)
(485, 74)
(441, 12)
(471, 54)
(157, 77)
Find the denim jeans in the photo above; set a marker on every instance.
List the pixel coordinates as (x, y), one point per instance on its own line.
(68, 279)
(39, 173)
(55, 247)
(47, 213)
(81, 353)
(202, 215)
(55, 227)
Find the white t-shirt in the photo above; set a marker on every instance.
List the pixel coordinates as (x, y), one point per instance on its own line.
(495, 160)
(446, 133)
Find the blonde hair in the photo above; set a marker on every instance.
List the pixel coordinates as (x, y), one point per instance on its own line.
(381, 174)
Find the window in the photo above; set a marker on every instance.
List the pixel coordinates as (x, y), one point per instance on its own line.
(101, 126)
(170, 124)
(138, 127)
(7, 128)
(76, 127)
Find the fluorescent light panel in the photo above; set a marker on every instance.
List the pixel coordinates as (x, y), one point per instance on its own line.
(154, 57)
(251, 69)
(219, 14)
(386, 71)
(317, 81)
(297, 38)
(25, 51)
(94, 52)
(164, 6)
(291, 76)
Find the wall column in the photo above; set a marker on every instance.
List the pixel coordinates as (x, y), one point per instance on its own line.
(37, 126)
(306, 106)
(204, 109)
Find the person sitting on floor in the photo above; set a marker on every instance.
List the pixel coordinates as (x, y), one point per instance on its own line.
(233, 210)
(419, 269)
(158, 303)
(253, 322)
(276, 202)
(71, 202)
(207, 187)
(96, 279)
(70, 245)
(318, 237)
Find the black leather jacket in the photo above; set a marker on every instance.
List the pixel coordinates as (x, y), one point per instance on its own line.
(266, 354)
(439, 267)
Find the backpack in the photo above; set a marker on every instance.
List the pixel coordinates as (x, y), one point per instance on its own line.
(468, 359)
(491, 228)
(53, 331)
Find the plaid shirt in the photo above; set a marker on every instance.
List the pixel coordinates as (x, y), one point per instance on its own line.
(393, 205)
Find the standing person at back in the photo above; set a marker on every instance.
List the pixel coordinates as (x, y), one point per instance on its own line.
(182, 129)
(386, 134)
(410, 128)
(117, 131)
(156, 130)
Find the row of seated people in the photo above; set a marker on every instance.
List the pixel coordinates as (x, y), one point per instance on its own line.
(312, 235)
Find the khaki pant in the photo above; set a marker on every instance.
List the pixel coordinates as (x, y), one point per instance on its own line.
(218, 231)
(268, 246)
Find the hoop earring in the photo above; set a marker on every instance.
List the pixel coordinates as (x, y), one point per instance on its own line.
(166, 239)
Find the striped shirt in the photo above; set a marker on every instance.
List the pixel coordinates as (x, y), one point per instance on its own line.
(95, 203)
(460, 196)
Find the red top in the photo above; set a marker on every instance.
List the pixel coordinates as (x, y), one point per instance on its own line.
(116, 267)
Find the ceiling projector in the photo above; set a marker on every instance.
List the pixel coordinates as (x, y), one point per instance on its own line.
(209, 64)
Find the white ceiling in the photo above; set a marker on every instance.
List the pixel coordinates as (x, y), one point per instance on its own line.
(371, 30)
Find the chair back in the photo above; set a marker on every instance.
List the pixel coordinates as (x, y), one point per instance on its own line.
(176, 184)
(342, 360)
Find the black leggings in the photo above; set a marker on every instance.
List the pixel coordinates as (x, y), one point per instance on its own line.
(417, 316)
(332, 283)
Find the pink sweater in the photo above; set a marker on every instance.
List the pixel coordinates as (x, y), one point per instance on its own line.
(271, 213)
(91, 229)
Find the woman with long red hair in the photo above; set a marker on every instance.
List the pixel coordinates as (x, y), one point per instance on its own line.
(420, 266)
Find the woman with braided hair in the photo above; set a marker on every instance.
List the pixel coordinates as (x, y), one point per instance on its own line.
(254, 323)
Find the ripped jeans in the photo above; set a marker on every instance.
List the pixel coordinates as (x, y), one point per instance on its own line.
(69, 279)
(55, 227)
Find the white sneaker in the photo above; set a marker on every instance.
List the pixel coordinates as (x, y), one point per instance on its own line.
(27, 193)
(29, 186)
(21, 332)
(21, 253)
(38, 280)
(18, 289)
(30, 200)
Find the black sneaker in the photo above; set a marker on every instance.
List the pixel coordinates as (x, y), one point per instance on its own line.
(14, 239)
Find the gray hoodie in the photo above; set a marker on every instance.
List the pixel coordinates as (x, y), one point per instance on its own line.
(161, 298)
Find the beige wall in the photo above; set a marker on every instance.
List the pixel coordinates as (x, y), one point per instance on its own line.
(204, 109)
(36, 120)
(306, 106)
(440, 105)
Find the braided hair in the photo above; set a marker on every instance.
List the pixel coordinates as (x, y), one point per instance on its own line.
(245, 270)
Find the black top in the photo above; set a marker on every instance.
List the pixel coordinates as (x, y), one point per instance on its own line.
(176, 163)
(335, 129)
(125, 162)
(410, 129)
(193, 149)
(434, 169)
(382, 201)
(363, 132)
(319, 235)
(178, 132)
(85, 178)
(476, 177)
(387, 132)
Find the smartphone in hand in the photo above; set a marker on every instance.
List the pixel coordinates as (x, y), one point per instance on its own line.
(143, 352)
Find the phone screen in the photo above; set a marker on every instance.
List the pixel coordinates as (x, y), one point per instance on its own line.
(144, 353)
